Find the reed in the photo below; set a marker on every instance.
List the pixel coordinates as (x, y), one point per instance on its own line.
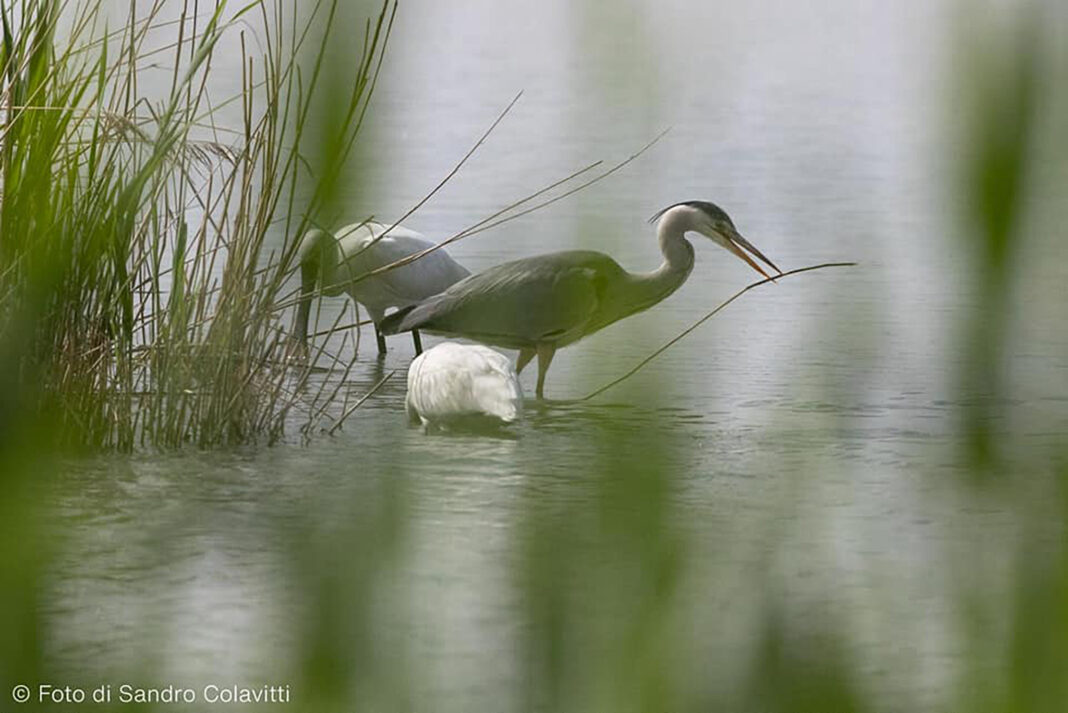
(137, 290)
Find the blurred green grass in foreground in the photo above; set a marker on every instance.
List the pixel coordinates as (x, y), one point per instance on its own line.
(98, 352)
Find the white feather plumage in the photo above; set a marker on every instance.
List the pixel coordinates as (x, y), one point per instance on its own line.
(453, 380)
(353, 251)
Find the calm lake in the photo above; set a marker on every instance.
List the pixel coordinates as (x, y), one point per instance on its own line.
(807, 434)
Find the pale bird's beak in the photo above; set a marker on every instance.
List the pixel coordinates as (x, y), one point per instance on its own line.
(736, 243)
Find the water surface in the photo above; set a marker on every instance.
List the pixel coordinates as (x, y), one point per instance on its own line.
(807, 433)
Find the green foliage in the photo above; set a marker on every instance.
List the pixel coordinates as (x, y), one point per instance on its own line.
(127, 324)
(127, 320)
(1004, 92)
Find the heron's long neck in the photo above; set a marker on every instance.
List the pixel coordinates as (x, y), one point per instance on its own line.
(648, 288)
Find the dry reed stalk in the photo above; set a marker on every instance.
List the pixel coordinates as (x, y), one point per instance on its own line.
(704, 319)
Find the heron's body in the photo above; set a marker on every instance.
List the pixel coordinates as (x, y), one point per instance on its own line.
(458, 381)
(553, 299)
(542, 303)
(333, 262)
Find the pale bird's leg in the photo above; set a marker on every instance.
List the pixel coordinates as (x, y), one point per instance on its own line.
(381, 341)
(356, 325)
(417, 342)
(545, 358)
(525, 355)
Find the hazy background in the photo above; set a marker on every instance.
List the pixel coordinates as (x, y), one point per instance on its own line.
(815, 502)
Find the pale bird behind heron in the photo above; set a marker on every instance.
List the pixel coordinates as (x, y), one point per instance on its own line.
(333, 262)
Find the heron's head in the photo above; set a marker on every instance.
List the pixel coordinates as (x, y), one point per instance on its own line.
(710, 220)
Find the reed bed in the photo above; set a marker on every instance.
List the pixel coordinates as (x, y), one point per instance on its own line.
(137, 293)
(140, 302)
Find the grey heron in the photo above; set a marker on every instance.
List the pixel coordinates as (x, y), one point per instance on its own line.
(452, 381)
(539, 304)
(332, 261)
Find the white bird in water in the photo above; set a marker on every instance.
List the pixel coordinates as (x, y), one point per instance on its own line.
(539, 304)
(331, 262)
(452, 381)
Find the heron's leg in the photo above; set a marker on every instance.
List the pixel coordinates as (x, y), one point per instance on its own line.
(417, 342)
(381, 340)
(545, 358)
(525, 355)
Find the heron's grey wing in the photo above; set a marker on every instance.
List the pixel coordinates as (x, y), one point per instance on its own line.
(545, 298)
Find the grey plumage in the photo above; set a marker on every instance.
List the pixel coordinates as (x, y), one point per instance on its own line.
(561, 296)
(711, 209)
(542, 303)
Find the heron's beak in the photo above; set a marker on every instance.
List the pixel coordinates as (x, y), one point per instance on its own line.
(736, 242)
